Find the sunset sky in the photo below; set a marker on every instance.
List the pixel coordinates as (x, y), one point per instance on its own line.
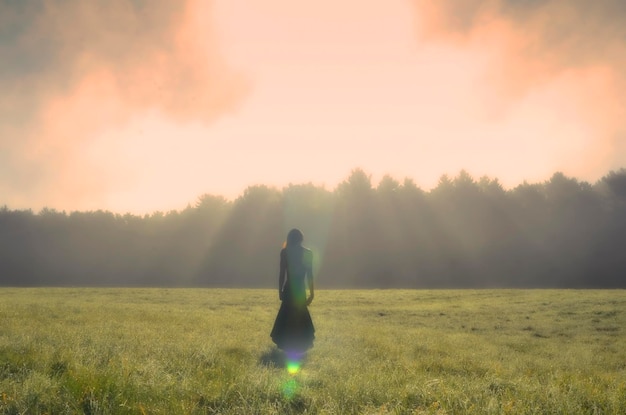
(138, 106)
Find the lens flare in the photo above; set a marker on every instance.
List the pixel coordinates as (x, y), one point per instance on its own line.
(293, 367)
(294, 361)
(289, 388)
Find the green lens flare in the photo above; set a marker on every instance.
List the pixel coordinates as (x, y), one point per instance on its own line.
(289, 388)
(293, 367)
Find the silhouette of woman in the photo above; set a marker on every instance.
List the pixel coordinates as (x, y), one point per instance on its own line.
(293, 329)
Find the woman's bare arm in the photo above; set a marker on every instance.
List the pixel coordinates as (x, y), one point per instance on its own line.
(282, 275)
(311, 290)
(309, 273)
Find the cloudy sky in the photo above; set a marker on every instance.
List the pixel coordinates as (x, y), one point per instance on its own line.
(137, 105)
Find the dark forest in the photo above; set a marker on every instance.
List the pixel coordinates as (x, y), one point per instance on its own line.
(465, 232)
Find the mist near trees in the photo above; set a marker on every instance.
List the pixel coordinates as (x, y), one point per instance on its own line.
(465, 232)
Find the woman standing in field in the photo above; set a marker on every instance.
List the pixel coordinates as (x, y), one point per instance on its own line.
(293, 329)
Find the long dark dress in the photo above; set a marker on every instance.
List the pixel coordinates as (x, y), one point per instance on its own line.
(293, 329)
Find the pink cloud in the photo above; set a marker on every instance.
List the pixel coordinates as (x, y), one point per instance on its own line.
(87, 68)
(572, 48)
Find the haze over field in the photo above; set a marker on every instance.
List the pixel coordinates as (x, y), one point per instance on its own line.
(142, 106)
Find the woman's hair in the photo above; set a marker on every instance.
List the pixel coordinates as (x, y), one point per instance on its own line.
(294, 238)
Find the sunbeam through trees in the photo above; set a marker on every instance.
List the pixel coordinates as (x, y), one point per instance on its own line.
(463, 233)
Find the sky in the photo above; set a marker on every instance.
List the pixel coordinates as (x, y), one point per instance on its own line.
(141, 106)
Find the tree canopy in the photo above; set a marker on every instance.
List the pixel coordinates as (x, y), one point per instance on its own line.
(465, 232)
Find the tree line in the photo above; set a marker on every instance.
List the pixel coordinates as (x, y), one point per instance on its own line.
(465, 232)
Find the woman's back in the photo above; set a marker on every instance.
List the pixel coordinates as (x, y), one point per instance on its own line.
(298, 261)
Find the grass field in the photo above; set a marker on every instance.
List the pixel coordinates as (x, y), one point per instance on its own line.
(197, 351)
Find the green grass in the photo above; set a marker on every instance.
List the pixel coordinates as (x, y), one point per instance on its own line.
(197, 351)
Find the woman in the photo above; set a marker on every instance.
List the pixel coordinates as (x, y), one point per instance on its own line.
(293, 329)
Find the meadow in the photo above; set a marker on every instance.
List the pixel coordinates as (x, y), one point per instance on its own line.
(208, 351)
